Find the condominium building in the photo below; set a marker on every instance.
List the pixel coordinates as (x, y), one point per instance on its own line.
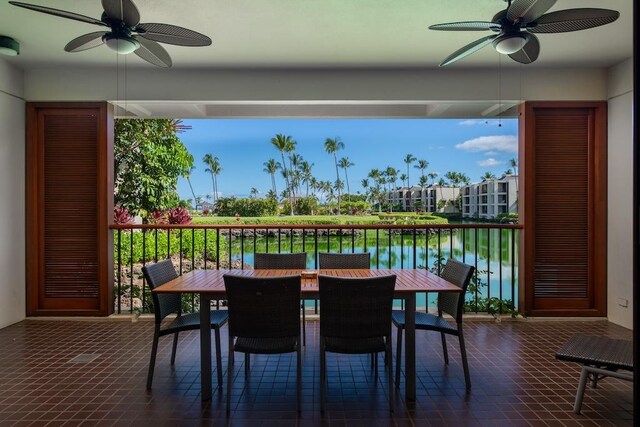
(434, 198)
(490, 198)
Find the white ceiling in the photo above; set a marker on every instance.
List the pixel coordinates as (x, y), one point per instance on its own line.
(313, 34)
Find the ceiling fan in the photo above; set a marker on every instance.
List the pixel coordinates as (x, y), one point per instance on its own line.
(125, 34)
(515, 26)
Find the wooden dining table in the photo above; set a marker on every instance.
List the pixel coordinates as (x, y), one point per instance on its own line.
(209, 284)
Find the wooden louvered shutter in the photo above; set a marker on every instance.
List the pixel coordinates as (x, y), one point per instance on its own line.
(69, 164)
(563, 166)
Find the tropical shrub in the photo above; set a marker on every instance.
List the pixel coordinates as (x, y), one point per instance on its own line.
(121, 216)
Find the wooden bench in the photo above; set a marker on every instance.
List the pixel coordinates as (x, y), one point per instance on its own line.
(600, 356)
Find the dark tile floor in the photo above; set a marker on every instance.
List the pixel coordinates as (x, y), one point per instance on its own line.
(516, 381)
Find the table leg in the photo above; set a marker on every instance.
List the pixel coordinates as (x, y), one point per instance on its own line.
(205, 346)
(410, 347)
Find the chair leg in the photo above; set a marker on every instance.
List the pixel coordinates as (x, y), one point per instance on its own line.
(304, 326)
(445, 353)
(152, 362)
(375, 365)
(398, 357)
(584, 377)
(247, 362)
(229, 374)
(218, 357)
(299, 377)
(388, 356)
(465, 364)
(323, 374)
(173, 350)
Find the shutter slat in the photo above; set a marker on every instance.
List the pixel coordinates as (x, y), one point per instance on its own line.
(70, 207)
(561, 206)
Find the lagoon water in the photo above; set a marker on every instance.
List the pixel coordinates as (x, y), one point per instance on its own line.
(494, 252)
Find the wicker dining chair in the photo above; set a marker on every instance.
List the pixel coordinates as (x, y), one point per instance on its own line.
(165, 304)
(264, 318)
(343, 261)
(355, 319)
(332, 261)
(294, 261)
(450, 303)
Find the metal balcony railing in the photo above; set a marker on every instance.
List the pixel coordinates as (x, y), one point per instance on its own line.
(491, 248)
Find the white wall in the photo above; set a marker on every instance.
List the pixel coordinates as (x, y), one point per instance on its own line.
(12, 194)
(620, 204)
(239, 85)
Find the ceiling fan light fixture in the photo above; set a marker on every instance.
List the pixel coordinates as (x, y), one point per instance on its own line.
(123, 45)
(510, 43)
(9, 47)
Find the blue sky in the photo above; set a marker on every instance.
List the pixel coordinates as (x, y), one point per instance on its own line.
(242, 145)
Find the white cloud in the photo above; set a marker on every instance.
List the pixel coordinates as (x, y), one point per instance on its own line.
(489, 162)
(491, 153)
(506, 143)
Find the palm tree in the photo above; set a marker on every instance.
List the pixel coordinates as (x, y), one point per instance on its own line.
(272, 195)
(422, 165)
(403, 178)
(392, 173)
(408, 159)
(345, 164)
(338, 186)
(423, 181)
(208, 160)
(216, 168)
(487, 176)
(314, 184)
(332, 146)
(254, 192)
(365, 186)
(294, 163)
(187, 176)
(432, 176)
(271, 166)
(305, 170)
(284, 143)
(441, 183)
(514, 166)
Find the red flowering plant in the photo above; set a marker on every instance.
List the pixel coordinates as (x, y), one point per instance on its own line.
(179, 216)
(121, 216)
(205, 211)
(157, 217)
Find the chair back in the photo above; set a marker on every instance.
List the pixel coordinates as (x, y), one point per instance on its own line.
(263, 307)
(356, 307)
(331, 261)
(158, 274)
(459, 274)
(293, 261)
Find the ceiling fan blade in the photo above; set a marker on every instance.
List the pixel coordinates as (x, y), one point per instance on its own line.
(172, 34)
(58, 12)
(528, 10)
(529, 52)
(122, 10)
(468, 50)
(86, 41)
(466, 26)
(564, 21)
(153, 53)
